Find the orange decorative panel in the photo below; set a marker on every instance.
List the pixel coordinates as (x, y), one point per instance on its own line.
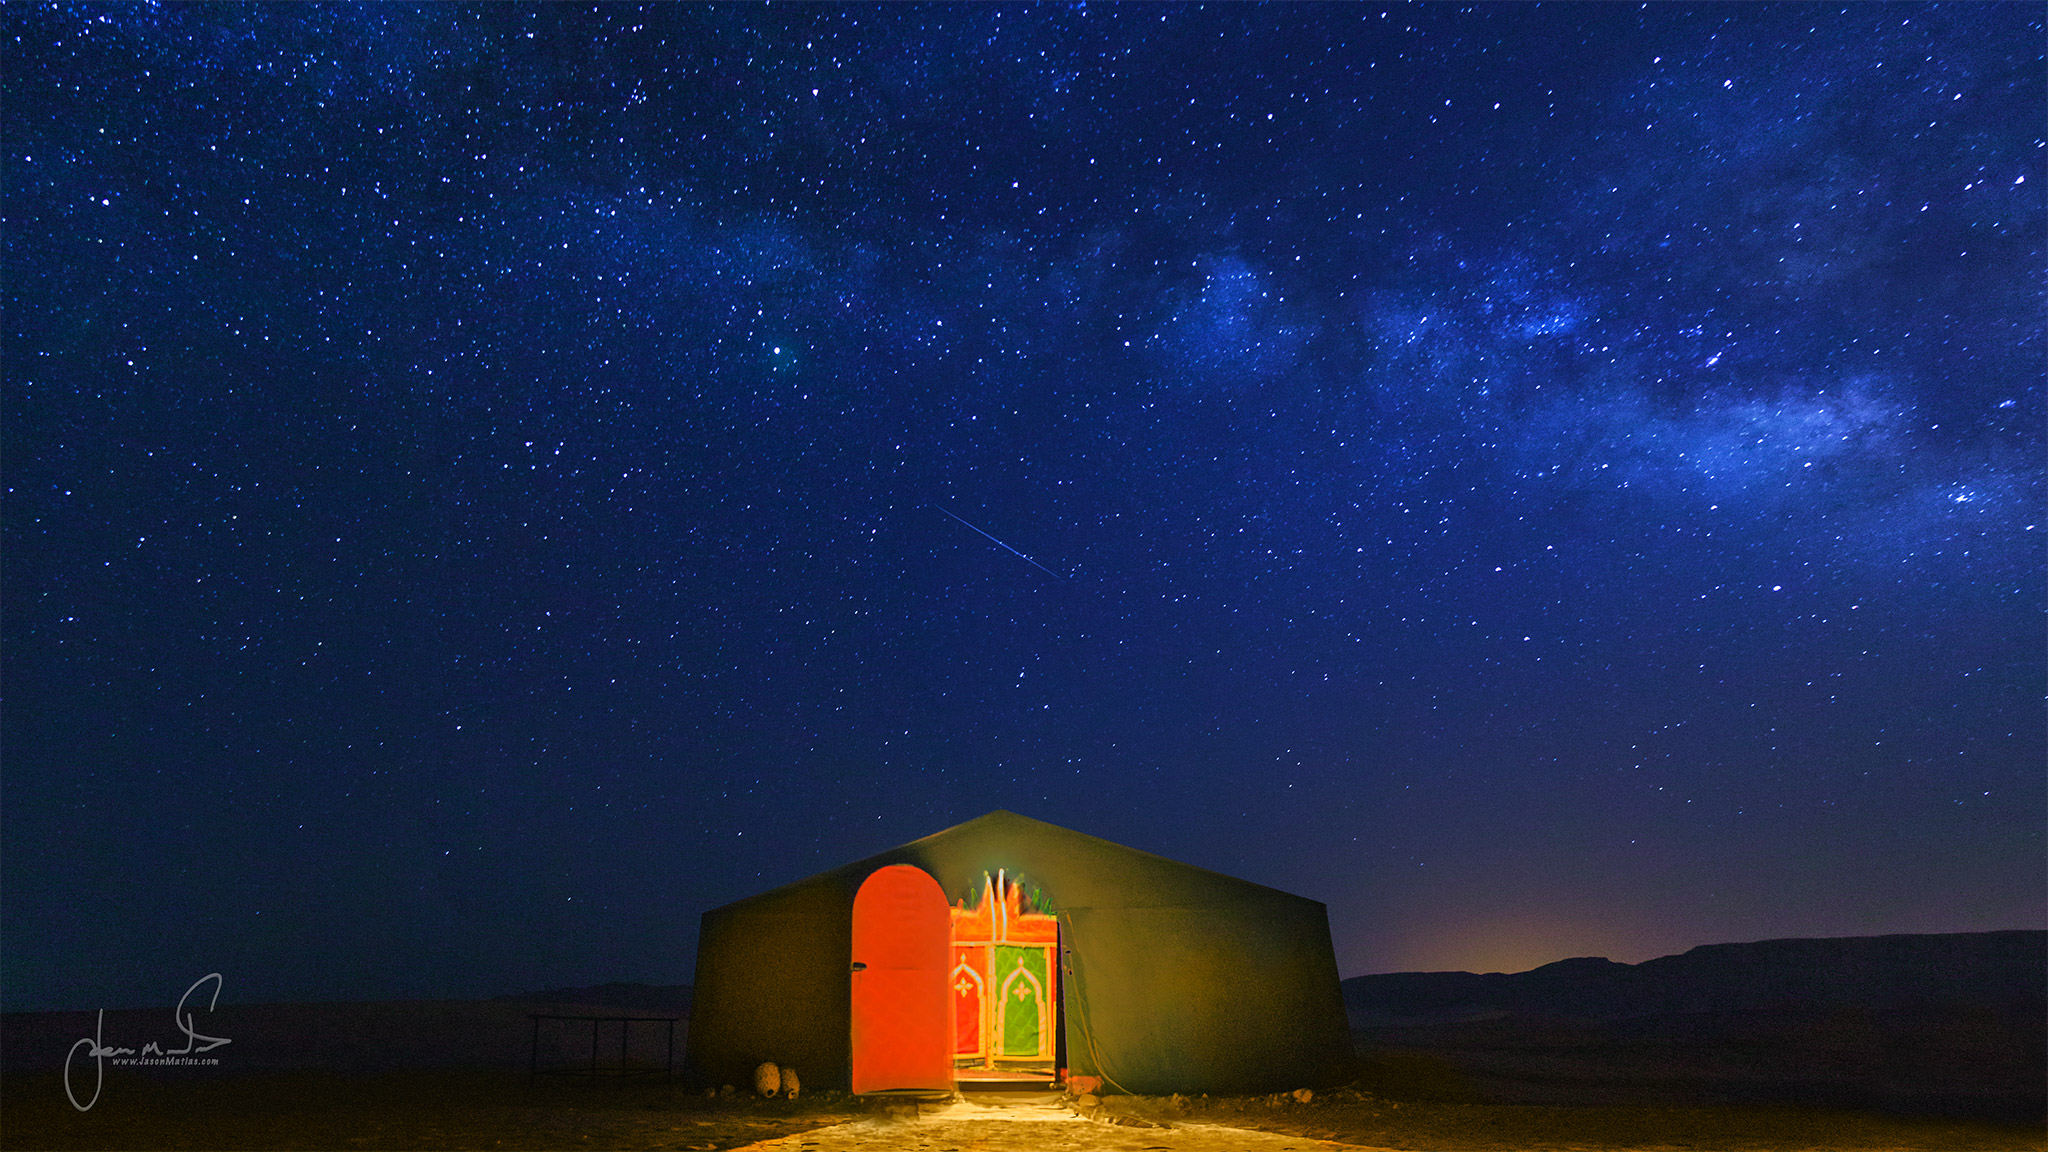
(1005, 984)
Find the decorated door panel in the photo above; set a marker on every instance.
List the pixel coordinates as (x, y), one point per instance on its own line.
(1023, 1013)
(970, 991)
(1005, 985)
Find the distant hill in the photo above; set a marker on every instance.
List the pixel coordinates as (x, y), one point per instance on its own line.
(1938, 1024)
(655, 999)
(1851, 971)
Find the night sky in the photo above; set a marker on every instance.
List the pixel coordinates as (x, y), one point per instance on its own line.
(486, 484)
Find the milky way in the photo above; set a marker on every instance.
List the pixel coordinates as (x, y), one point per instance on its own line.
(1543, 481)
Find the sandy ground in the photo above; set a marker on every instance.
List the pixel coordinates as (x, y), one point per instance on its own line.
(1037, 1126)
(503, 1110)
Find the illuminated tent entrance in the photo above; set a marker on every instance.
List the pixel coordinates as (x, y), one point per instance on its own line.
(951, 995)
(1005, 987)
(1007, 949)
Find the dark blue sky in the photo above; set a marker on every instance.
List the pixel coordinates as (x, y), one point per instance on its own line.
(485, 484)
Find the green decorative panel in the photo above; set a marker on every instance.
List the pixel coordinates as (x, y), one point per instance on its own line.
(1020, 974)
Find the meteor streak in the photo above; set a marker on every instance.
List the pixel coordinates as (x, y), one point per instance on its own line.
(1010, 550)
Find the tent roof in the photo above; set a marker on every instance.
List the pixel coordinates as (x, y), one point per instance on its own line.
(1074, 869)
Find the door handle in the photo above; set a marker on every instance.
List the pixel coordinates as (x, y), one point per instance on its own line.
(859, 967)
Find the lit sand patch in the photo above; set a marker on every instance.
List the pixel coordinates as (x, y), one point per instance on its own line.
(967, 1126)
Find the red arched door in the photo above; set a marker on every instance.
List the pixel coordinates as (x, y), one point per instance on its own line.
(902, 1003)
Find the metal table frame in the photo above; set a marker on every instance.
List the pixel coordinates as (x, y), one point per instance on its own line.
(625, 1024)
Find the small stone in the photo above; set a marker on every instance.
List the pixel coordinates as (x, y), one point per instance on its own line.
(767, 1079)
(728, 1091)
(1304, 1095)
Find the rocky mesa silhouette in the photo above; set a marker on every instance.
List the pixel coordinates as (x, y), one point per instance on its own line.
(1935, 1024)
(1872, 972)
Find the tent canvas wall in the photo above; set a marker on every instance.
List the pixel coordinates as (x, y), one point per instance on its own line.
(1174, 978)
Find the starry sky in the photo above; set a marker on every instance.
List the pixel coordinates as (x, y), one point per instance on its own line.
(487, 483)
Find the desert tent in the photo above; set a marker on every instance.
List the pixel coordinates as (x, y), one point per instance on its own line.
(1153, 975)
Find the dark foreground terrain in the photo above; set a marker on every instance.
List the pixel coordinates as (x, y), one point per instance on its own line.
(502, 1110)
(430, 1109)
(1890, 1043)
